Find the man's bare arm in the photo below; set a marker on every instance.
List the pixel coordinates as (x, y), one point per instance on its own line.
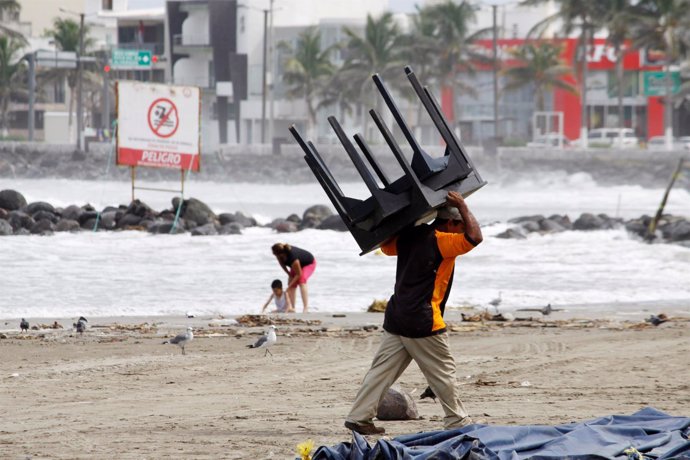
(472, 229)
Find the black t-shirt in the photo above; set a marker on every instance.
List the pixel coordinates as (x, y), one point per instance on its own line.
(305, 257)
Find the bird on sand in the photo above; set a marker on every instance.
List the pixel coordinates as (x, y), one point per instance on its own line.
(24, 325)
(266, 341)
(80, 325)
(428, 393)
(182, 339)
(496, 302)
(656, 320)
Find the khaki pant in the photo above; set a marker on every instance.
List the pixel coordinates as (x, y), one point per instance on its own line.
(432, 355)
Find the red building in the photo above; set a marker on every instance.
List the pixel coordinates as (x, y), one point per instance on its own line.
(645, 114)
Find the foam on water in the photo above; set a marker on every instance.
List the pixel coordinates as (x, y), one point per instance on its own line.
(134, 273)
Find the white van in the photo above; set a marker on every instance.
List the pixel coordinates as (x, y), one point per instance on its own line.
(611, 137)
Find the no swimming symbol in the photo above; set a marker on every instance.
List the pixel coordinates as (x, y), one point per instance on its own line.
(163, 117)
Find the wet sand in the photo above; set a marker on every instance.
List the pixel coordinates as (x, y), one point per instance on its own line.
(117, 392)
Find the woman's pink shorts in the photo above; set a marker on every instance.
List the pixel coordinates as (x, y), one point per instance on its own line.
(306, 272)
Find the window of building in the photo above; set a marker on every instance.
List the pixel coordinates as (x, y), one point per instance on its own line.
(59, 91)
(107, 5)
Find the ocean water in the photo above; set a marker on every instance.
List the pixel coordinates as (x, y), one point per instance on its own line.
(134, 273)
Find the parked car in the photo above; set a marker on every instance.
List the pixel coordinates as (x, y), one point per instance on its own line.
(659, 143)
(611, 137)
(549, 140)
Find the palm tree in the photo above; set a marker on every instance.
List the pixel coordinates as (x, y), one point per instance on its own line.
(10, 73)
(419, 49)
(539, 64)
(452, 23)
(663, 25)
(377, 51)
(66, 34)
(308, 71)
(618, 20)
(585, 16)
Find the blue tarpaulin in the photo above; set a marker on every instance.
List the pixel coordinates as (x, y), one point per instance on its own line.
(650, 433)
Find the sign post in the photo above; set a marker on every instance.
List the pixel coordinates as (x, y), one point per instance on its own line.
(159, 127)
(131, 59)
(654, 83)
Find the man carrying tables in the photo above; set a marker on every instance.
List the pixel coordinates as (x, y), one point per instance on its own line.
(413, 324)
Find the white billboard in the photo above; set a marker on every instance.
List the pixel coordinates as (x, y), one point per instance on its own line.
(158, 125)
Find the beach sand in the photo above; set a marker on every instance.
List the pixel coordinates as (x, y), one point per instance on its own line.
(117, 393)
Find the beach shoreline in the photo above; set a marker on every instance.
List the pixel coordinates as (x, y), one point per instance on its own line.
(118, 392)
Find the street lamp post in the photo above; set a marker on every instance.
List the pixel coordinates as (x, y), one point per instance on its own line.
(80, 82)
(32, 94)
(80, 99)
(495, 71)
(263, 91)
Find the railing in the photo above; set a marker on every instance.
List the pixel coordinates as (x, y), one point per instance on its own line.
(194, 80)
(191, 40)
(155, 48)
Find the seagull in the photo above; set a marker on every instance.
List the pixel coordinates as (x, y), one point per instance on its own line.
(24, 325)
(656, 320)
(266, 341)
(182, 339)
(428, 393)
(496, 302)
(80, 325)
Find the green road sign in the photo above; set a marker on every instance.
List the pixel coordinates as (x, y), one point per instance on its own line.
(655, 84)
(131, 59)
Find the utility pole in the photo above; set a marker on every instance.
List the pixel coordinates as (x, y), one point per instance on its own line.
(32, 94)
(583, 115)
(263, 91)
(106, 94)
(80, 77)
(497, 130)
(271, 85)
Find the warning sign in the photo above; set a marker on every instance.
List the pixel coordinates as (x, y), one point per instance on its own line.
(158, 125)
(163, 117)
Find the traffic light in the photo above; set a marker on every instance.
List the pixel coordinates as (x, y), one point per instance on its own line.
(154, 58)
(106, 68)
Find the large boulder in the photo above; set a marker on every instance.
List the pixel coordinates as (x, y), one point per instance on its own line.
(87, 216)
(563, 221)
(285, 226)
(39, 215)
(550, 226)
(140, 209)
(19, 219)
(333, 222)
(530, 226)
(12, 200)
(511, 234)
(314, 215)
(129, 220)
(72, 212)
(196, 210)
(521, 219)
(205, 230)
(233, 228)
(165, 226)
(5, 228)
(237, 217)
(33, 208)
(108, 220)
(43, 227)
(397, 404)
(589, 221)
(677, 231)
(67, 225)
